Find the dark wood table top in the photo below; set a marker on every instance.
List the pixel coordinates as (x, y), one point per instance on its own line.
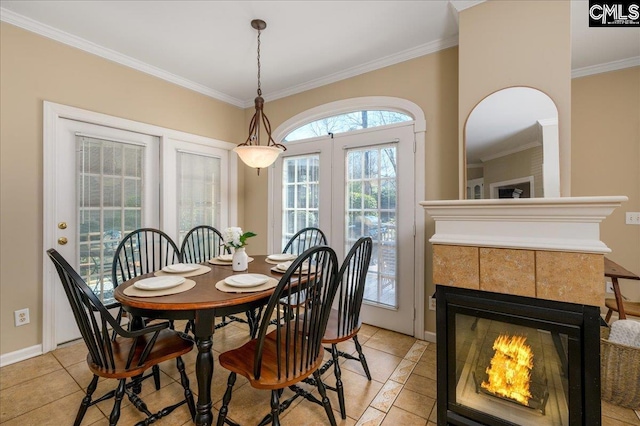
(613, 270)
(204, 295)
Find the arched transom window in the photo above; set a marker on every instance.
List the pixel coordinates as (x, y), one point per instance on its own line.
(346, 122)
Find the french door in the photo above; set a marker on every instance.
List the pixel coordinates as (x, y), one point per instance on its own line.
(107, 186)
(102, 181)
(352, 185)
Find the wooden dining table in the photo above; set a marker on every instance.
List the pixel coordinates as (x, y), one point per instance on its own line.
(202, 304)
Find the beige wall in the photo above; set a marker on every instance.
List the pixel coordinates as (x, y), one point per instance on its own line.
(34, 69)
(605, 154)
(430, 82)
(517, 43)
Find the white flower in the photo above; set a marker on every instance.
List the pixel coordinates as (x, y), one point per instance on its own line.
(235, 238)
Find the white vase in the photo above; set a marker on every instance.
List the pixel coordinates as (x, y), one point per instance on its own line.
(240, 260)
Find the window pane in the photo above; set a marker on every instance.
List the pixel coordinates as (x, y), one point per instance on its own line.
(198, 197)
(346, 122)
(371, 211)
(104, 189)
(300, 194)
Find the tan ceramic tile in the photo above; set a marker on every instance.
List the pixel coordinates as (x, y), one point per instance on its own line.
(155, 402)
(381, 364)
(29, 369)
(397, 416)
(308, 413)
(433, 417)
(426, 368)
(230, 337)
(508, 271)
(30, 395)
(358, 393)
(415, 403)
(249, 405)
(608, 421)
(422, 385)
(390, 342)
(456, 266)
(387, 395)
(402, 371)
(416, 350)
(61, 412)
(71, 353)
(371, 417)
(107, 385)
(81, 374)
(366, 331)
(570, 277)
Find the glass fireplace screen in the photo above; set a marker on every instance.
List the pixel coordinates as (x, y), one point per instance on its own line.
(512, 372)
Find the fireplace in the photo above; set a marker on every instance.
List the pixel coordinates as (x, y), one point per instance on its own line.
(539, 353)
(519, 285)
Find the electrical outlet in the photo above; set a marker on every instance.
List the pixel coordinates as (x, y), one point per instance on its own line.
(432, 304)
(608, 287)
(633, 218)
(21, 317)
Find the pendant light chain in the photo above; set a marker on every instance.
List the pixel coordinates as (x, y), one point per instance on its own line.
(259, 89)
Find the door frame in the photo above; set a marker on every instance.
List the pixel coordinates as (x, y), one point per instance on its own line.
(52, 113)
(419, 130)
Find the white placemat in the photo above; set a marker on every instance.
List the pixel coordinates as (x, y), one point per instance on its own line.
(222, 286)
(203, 269)
(136, 292)
(215, 261)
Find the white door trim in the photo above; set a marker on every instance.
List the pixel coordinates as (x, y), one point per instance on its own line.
(52, 113)
(419, 129)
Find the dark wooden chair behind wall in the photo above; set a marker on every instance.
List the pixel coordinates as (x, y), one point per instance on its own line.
(344, 320)
(290, 350)
(125, 357)
(305, 239)
(201, 244)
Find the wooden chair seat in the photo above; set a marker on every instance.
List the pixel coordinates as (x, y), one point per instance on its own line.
(332, 335)
(630, 308)
(241, 361)
(168, 345)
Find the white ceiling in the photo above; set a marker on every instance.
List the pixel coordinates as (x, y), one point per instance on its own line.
(209, 46)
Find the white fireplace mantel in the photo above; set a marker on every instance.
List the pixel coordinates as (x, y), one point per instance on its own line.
(555, 224)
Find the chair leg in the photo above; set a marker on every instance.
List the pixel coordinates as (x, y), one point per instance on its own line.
(608, 317)
(86, 401)
(115, 412)
(156, 376)
(338, 374)
(325, 400)
(363, 360)
(275, 407)
(184, 380)
(222, 415)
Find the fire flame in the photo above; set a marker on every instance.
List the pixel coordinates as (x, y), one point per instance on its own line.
(510, 370)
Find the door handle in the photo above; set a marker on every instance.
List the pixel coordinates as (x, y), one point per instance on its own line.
(62, 241)
(62, 225)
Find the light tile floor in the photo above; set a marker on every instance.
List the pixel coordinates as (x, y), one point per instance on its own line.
(47, 390)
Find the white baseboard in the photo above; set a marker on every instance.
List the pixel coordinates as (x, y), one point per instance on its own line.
(430, 336)
(20, 355)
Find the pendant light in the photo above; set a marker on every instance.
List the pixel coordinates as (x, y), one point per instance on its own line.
(251, 152)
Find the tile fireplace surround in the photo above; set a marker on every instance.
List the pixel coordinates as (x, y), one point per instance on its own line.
(524, 269)
(546, 248)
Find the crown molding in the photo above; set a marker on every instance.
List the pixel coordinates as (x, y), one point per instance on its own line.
(606, 67)
(82, 44)
(396, 58)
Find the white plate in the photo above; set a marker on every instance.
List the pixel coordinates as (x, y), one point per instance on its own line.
(284, 266)
(181, 268)
(281, 257)
(246, 280)
(225, 257)
(159, 283)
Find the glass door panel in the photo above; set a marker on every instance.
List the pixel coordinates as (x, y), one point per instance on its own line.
(300, 194)
(371, 211)
(109, 193)
(198, 191)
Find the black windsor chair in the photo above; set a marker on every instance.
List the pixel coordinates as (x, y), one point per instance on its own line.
(284, 355)
(127, 356)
